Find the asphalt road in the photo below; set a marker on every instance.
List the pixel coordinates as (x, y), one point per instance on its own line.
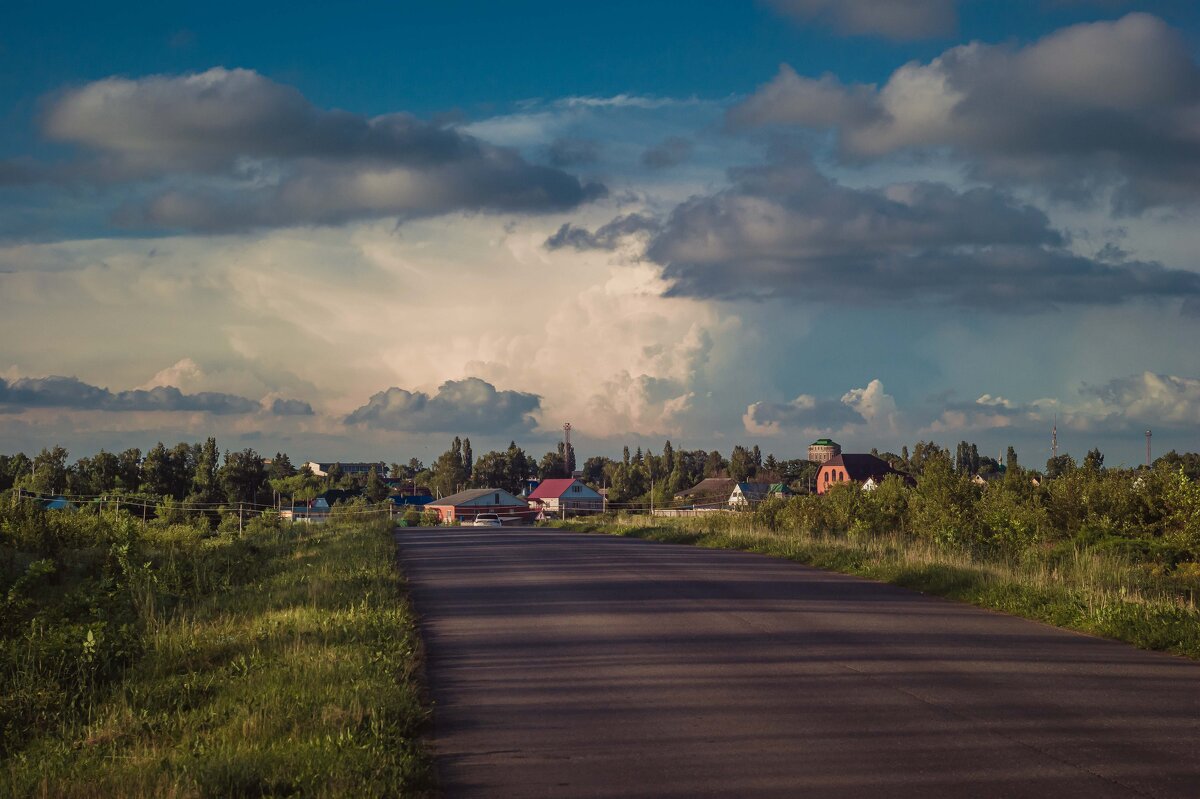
(573, 665)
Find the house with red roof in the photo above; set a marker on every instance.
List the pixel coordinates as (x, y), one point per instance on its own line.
(565, 495)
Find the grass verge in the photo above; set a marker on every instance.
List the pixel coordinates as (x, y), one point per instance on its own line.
(302, 679)
(1081, 590)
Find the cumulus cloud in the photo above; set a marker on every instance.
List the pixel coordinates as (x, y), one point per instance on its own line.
(805, 412)
(291, 407)
(72, 393)
(1092, 107)
(986, 413)
(270, 157)
(605, 237)
(671, 151)
(1149, 399)
(870, 407)
(787, 230)
(893, 19)
(470, 405)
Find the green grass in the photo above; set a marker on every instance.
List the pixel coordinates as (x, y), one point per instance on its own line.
(298, 677)
(1079, 589)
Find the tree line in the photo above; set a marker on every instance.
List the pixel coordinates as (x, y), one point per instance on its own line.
(200, 474)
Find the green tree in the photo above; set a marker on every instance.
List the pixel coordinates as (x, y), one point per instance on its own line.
(1094, 461)
(183, 468)
(13, 469)
(593, 470)
(242, 477)
(552, 465)
(714, 464)
(158, 478)
(449, 473)
(281, 466)
(49, 471)
(1010, 460)
(205, 486)
(491, 470)
(376, 490)
(741, 463)
(129, 470)
(1059, 465)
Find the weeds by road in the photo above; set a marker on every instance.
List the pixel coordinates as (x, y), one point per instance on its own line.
(174, 661)
(1076, 588)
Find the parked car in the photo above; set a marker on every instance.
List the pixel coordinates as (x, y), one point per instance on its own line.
(486, 520)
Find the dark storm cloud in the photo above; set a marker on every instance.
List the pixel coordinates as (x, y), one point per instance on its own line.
(269, 157)
(892, 19)
(785, 230)
(69, 392)
(1090, 108)
(291, 407)
(606, 237)
(671, 151)
(470, 405)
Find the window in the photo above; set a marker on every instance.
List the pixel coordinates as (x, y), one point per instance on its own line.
(577, 488)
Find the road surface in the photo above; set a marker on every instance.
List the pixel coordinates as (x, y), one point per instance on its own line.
(565, 664)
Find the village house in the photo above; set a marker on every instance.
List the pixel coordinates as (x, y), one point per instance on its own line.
(853, 469)
(466, 505)
(565, 495)
(321, 468)
(746, 495)
(711, 491)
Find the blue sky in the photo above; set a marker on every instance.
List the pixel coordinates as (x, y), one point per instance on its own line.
(344, 231)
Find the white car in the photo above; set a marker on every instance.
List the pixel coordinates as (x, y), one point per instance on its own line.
(487, 520)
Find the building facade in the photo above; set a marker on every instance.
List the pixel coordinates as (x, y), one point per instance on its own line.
(321, 468)
(466, 505)
(823, 449)
(854, 469)
(558, 495)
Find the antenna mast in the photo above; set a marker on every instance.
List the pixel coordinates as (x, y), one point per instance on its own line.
(1148, 434)
(1054, 438)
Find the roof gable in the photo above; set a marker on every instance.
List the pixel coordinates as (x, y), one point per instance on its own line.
(710, 486)
(557, 487)
(480, 497)
(860, 467)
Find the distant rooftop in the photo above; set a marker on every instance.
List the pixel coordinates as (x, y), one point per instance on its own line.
(824, 442)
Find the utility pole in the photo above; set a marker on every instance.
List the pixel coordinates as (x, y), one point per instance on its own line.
(240, 518)
(1148, 434)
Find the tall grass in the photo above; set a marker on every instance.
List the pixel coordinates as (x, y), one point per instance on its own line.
(284, 662)
(1076, 587)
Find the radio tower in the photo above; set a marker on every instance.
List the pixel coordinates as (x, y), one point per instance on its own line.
(1054, 438)
(1148, 434)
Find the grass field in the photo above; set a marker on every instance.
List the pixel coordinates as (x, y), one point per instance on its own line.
(289, 668)
(1083, 590)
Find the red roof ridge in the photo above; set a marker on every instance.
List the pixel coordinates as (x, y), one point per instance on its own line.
(561, 483)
